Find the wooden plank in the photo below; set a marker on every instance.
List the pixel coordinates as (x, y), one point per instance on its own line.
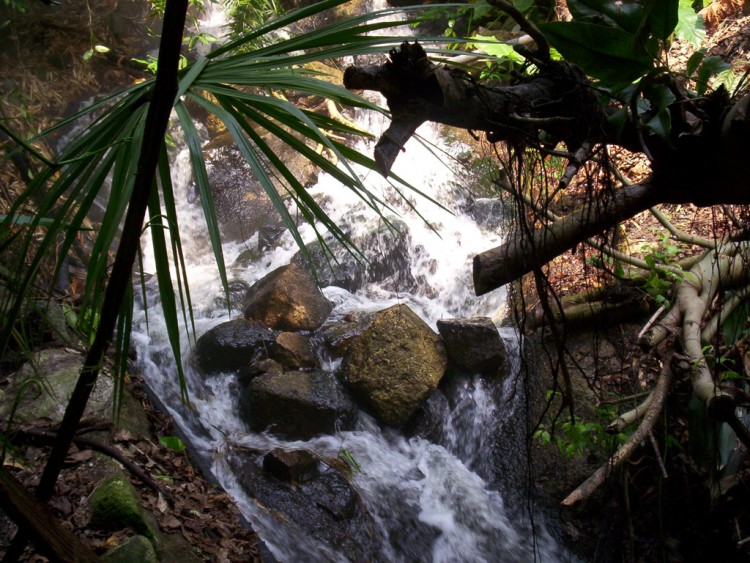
(39, 524)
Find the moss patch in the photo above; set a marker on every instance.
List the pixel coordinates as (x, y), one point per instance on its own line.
(115, 505)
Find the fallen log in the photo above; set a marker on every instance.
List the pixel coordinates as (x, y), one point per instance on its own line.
(521, 254)
(37, 521)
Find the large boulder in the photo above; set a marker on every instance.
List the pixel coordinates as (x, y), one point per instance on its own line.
(325, 506)
(44, 386)
(232, 345)
(473, 344)
(287, 299)
(394, 364)
(297, 405)
(388, 251)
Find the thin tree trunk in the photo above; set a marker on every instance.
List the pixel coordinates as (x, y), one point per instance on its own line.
(157, 119)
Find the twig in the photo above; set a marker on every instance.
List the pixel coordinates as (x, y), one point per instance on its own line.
(658, 454)
(650, 322)
(91, 443)
(629, 417)
(587, 488)
(620, 400)
(542, 46)
(682, 236)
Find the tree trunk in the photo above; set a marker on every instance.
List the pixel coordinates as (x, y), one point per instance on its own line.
(522, 253)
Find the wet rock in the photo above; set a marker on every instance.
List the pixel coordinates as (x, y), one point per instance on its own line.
(232, 345)
(338, 335)
(388, 253)
(331, 492)
(242, 205)
(45, 385)
(237, 291)
(326, 508)
(297, 405)
(473, 344)
(293, 351)
(248, 373)
(394, 364)
(296, 466)
(287, 299)
(489, 213)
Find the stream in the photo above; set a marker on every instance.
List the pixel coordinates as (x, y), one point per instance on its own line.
(439, 499)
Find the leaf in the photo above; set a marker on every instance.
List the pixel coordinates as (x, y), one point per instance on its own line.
(101, 49)
(523, 5)
(711, 65)
(606, 53)
(689, 25)
(662, 18)
(660, 97)
(173, 443)
(494, 48)
(694, 61)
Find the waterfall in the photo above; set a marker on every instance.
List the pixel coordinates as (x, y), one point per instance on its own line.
(431, 499)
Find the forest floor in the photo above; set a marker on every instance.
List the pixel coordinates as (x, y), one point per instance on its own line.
(197, 519)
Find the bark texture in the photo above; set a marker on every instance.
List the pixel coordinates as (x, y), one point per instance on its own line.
(702, 162)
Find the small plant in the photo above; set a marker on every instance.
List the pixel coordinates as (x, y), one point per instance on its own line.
(578, 437)
(349, 460)
(172, 443)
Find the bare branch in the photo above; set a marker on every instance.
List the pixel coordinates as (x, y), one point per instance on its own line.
(588, 487)
(542, 51)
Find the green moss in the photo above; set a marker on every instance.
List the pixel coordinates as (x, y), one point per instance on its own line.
(137, 548)
(115, 505)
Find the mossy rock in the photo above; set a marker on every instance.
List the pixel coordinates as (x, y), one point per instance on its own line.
(137, 548)
(115, 505)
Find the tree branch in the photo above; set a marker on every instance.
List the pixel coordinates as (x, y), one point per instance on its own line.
(659, 394)
(521, 254)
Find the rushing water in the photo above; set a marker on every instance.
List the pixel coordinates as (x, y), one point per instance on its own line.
(435, 499)
(439, 490)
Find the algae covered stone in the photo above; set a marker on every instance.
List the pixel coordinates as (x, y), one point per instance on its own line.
(137, 548)
(115, 505)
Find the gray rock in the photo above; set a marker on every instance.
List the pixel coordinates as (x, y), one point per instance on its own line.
(287, 299)
(297, 405)
(331, 492)
(394, 364)
(388, 252)
(246, 374)
(473, 344)
(338, 335)
(46, 384)
(232, 345)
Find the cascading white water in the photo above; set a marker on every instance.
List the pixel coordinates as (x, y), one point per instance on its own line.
(430, 500)
(443, 487)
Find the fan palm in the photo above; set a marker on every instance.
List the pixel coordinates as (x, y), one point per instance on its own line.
(110, 160)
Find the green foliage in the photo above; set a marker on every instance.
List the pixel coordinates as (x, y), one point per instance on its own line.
(578, 438)
(15, 5)
(232, 84)
(661, 280)
(349, 460)
(690, 24)
(249, 14)
(615, 42)
(172, 443)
